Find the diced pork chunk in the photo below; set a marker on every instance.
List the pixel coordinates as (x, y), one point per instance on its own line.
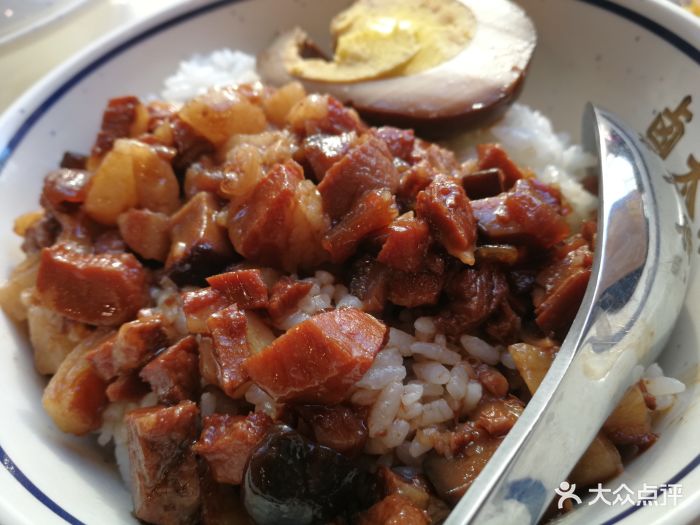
(285, 295)
(560, 291)
(228, 330)
(322, 151)
(529, 213)
(128, 387)
(104, 289)
(198, 305)
(278, 224)
(393, 510)
(174, 374)
(399, 141)
(189, 144)
(164, 478)
(475, 294)
(446, 208)
(368, 165)
(64, 189)
(373, 210)
(246, 288)
(199, 245)
(227, 441)
(319, 359)
(414, 289)
(146, 232)
(120, 119)
(494, 156)
(406, 244)
(134, 345)
(338, 427)
(75, 396)
(369, 283)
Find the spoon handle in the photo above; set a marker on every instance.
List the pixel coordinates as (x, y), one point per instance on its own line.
(628, 311)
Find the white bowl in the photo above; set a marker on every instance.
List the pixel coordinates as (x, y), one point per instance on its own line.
(635, 57)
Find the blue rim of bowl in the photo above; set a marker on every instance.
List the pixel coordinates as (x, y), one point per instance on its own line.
(5, 153)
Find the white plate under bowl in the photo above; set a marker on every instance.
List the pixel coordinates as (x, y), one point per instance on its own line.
(635, 57)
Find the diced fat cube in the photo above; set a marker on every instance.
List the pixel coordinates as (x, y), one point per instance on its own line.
(174, 374)
(246, 288)
(198, 305)
(105, 289)
(368, 165)
(146, 232)
(319, 359)
(227, 441)
(164, 478)
(373, 210)
(199, 245)
(285, 295)
(406, 244)
(75, 396)
(498, 416)
(447, 209)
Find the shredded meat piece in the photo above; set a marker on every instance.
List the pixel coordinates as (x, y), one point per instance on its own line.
(446, 208)
(285, 295)
(373, 210)
(246, 288)
(104, 289)
(504, 326)
(227, 441)
(174, 373)
(190, 145)
(164, 478)
(367, 166)
(529, 213)
(319, 359)
(394, 510)
(341, 428)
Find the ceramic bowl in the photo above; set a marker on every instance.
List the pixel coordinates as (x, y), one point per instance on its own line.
(638, 58)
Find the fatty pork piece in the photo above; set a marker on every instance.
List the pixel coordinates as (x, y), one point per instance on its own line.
(174, 374)
(164, 477)
(281, 222)
(102, 289)
(320, 359)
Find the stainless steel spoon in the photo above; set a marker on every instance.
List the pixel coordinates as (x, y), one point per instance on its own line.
(634, 296)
